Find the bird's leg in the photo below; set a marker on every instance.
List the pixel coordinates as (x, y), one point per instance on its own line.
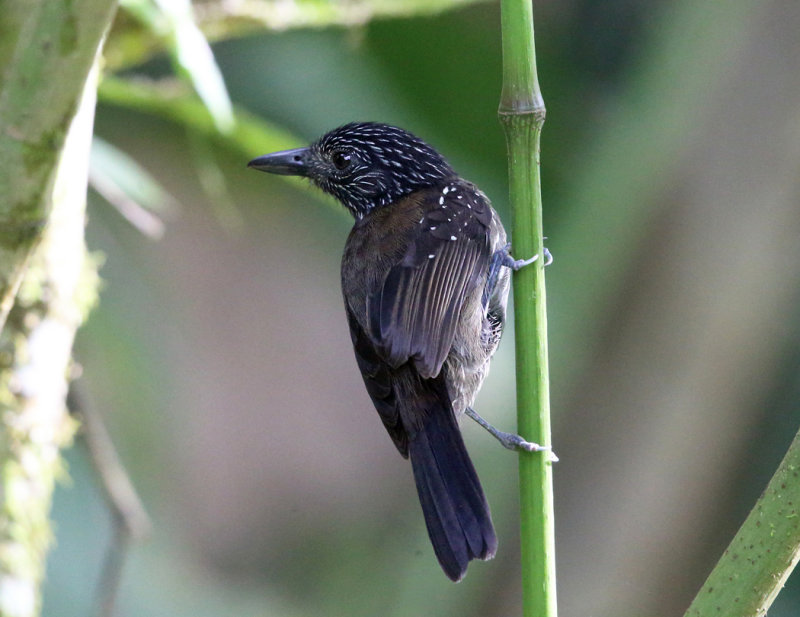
(509, 440)
(502, 257)
(491, 280)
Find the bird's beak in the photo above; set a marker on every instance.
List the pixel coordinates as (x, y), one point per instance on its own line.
(284, 163)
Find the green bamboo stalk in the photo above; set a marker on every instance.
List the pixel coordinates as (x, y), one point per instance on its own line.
(522, 114)
(765, 550)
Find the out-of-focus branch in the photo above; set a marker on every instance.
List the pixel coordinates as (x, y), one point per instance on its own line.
(246, 16)
(129, 44)
(130, 519)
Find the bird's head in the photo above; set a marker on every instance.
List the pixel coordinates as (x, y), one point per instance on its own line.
(364, 165)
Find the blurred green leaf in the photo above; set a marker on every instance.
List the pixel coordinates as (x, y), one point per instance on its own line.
(212, 181)
(224, 20)
(173, 20)
(127, 186)
(252, 136)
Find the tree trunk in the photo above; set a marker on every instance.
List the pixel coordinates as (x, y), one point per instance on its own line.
(47, 50)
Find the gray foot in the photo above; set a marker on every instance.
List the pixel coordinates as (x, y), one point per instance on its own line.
(509, 440)
(518, 264)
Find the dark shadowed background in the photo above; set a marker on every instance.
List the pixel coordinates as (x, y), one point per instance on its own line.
(220, 359)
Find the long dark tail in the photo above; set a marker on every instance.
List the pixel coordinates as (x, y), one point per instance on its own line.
(456, 513)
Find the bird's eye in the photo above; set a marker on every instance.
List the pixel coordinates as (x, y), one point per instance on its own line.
(341, 160)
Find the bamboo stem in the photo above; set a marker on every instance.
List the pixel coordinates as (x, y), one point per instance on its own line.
(522, 114)
(765, 550)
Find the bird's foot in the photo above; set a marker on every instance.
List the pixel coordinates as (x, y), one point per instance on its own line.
(517, 264)
(510, 441)
(502, 257)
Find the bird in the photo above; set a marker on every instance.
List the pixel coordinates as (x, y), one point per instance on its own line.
(425, 278)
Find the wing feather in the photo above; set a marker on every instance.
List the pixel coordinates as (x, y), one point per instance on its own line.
(379, 382)
(415, 312)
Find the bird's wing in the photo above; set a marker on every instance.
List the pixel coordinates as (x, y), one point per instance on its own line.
(414, 314)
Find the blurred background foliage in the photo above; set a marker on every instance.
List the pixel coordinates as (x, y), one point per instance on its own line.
(219, 356)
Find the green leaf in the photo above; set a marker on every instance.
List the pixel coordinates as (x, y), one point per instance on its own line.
(130, 188)
(173, 20)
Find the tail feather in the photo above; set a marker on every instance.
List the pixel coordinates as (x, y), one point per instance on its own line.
(456, 512)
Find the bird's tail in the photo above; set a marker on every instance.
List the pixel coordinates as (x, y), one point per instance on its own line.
(456, 512)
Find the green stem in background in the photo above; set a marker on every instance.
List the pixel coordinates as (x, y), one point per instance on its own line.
(522, 115)
(765, 550)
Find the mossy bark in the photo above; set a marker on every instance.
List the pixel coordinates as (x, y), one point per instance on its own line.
(47, 50)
